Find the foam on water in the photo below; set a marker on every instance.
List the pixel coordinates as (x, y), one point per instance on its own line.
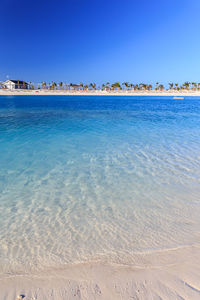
(87, 178)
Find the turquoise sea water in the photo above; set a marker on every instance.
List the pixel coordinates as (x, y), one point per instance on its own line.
(96, 178)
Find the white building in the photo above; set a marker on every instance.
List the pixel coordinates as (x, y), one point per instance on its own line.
(15, 84)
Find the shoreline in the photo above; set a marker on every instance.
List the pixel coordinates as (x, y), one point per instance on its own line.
(171, 274)
(101, 93)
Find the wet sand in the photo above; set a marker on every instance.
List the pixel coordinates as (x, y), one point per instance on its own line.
(167, 275)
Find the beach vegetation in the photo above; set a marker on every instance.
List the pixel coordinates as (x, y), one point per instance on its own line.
(116, 86)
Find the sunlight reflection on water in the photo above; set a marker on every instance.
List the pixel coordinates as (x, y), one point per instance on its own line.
(96, 178)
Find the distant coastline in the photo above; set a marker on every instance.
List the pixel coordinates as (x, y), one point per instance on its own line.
(171, 93)
(100, 195)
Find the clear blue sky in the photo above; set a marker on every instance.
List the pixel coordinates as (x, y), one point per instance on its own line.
(99, 41)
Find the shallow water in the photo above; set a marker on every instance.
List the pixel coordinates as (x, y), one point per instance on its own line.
(96, 178)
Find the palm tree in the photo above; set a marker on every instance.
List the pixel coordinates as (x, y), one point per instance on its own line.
(31, 85)
(136, 87)
(103, 87)
(93, 86)
(53, 85)
(108, 85)
(81, 85)
(126, 85)
(157, 86)
(144, 86)
(116, 86)
(171, 85)
(186, 85)
(176, 85)
(194, 86)
(60, 84)
(141, 86)
(161, 87)
(44, 84)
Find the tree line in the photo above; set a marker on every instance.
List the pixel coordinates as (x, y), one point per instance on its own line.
(118, 86)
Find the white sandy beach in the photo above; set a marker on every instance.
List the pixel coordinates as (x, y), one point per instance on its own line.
(102, 93)
(167, 275)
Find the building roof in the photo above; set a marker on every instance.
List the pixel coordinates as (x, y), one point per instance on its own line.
(17, 81)
(75, 85)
